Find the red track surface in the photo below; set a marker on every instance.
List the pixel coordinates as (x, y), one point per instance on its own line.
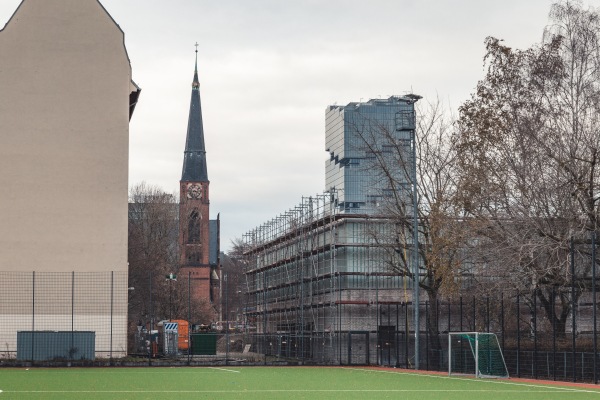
(531, 381)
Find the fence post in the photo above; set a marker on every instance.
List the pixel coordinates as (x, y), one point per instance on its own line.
(226, 320)
(594, 303)
(427, 335)
(502, 318)
(461, 314)
(189, 316)
(474, 315)
(535, 354)
(437, 333)
(151, 346)
(449, 316)
(487, 313)
(406, 334)
(573, 308)
(32, 317)
(111, 315)
(554, 332)
(518, 335)
(396, 341)
(389, 321)
(71, 353)
(265, 272)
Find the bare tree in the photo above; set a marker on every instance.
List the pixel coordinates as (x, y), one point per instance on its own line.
(152, 250)
(442, 229)
(232, 266)
(153, 256)
(527, 158)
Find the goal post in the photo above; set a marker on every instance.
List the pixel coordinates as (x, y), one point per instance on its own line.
(475, 353)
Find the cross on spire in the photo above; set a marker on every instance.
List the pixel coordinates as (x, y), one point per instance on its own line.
(196, 83)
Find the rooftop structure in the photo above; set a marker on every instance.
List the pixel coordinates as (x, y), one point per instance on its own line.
(355, 135)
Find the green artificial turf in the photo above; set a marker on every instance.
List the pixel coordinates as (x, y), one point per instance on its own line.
(288, 383)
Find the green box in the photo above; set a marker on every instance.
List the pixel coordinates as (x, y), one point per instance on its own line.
(51, 345)
(204, 344)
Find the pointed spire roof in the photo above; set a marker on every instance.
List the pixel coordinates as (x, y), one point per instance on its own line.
(194, 158)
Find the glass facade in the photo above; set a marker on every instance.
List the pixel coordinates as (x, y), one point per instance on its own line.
(359, 137)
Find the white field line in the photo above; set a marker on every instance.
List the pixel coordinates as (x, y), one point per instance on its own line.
(141, 370)
(292, 390)
(501, 382)
(224, 369)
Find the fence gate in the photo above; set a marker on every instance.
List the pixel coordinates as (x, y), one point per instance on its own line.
(387, 345)
(358, 348)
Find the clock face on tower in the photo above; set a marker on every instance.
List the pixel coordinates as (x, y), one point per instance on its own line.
(194, 191)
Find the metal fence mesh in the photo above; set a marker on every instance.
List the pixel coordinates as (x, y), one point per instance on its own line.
(61, 318)
(66, 302)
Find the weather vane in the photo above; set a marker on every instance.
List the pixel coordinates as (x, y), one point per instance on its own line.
(196, 46)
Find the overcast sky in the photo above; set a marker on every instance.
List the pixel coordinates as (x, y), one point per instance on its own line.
(269, 68)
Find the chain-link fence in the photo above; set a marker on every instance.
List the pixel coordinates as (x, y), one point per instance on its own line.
(63, 316)
(95, 319)
(541, 341)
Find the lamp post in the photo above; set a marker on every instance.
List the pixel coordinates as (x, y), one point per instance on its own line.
(171, 277)
(413, 99)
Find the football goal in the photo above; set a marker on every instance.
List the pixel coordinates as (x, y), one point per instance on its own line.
(475, 353)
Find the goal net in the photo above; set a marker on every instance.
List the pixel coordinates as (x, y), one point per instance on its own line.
(475, 353)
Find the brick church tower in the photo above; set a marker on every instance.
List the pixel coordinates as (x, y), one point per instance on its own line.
(198, 236)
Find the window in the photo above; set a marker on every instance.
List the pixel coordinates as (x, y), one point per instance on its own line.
(194, 227)
(193, 258)
(405, 120)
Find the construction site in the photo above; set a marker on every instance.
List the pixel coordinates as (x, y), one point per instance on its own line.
(319, 288)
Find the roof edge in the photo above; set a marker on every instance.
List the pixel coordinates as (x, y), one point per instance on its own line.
(101, 6)
(12, 16)
(118, 26)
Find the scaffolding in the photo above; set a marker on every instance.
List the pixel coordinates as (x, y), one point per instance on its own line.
(318, 289)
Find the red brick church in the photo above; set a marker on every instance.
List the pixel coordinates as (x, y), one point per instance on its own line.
(198, 235)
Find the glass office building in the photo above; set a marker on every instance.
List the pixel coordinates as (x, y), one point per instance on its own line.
(358, 137)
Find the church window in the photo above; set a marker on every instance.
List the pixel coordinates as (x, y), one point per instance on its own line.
(193, 258)
(194, 227)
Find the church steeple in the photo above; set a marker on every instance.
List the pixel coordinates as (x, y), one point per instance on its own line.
(194, 160)
(198, 235)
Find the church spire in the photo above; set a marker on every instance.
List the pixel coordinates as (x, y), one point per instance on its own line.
(194, 159)
(196, 83)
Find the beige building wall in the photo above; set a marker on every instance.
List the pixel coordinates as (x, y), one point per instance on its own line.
(65, 82)
(64, 122)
